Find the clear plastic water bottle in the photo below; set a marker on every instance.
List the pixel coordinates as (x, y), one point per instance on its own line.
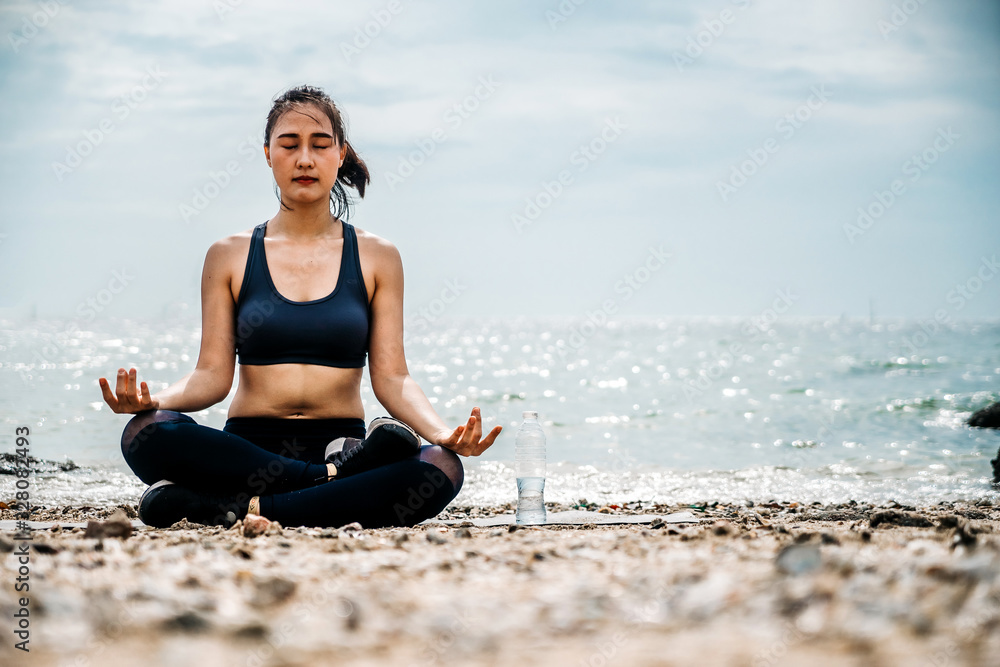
(529, 461)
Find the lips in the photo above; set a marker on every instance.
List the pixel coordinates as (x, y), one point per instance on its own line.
(305, 180)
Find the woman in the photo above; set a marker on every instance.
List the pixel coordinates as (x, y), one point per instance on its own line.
(295, 448)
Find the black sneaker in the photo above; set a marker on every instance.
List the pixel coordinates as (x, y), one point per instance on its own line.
(340, 447)
(387, 440)
(165, 503)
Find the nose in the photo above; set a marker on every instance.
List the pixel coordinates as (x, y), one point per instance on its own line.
(305, 157)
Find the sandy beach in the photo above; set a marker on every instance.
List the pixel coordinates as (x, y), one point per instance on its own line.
(773, 584)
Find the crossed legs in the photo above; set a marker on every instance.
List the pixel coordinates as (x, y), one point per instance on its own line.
(163, 444)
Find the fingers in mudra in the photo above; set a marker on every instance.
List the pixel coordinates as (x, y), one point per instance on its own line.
(127, 397)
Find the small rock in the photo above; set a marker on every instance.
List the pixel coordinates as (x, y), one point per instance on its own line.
(128, 510)
(964, 534)
(242, 552)
(189, 621)
(436, 537)
(271, 591)
(354, 525)
(275, 529)
(798, 559)
(951, 521)
(722, 528)
(43, 548)
(463, 532)
(6, 546)
(658, 522)
(117, 525)
(400, 538)
(251, 631)
(898, 518)
(348, 610)
(254, 525)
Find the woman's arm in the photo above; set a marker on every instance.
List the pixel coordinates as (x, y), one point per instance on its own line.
(212, 377)
(394, 388)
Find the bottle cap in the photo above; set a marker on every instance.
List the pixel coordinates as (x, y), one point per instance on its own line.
(529, 414)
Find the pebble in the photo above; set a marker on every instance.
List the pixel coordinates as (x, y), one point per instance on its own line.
(254, 525)
(798, 559)
(117, 525)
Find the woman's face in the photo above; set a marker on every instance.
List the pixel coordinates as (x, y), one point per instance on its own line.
(304, 155)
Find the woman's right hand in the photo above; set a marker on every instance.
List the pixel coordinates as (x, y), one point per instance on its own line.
(128, 399)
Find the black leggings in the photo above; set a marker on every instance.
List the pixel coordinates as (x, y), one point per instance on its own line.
(282, 461)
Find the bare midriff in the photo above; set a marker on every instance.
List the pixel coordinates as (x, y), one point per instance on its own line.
(298, 391)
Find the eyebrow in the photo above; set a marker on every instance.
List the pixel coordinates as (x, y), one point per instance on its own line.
(295, 135)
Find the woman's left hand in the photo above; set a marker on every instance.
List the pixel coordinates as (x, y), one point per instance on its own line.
(465, 439)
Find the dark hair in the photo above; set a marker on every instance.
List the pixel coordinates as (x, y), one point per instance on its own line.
(353, 173)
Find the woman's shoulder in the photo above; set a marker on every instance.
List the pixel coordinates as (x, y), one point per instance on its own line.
(237, 241)
(230, 250)
(375, 245)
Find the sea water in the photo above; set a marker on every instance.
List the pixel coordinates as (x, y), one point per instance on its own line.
(679, 410)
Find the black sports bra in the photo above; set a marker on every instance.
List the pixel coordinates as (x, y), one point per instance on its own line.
(331, 331)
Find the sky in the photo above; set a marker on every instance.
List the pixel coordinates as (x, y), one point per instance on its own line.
(528, 158)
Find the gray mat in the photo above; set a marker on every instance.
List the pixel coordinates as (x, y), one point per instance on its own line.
(11, 526)
(572, 517)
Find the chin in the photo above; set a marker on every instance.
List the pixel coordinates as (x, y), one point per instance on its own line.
(305, 200)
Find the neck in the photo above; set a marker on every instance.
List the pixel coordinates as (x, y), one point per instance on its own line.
(307, 221)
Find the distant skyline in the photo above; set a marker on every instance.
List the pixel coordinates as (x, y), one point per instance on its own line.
(527, 158)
